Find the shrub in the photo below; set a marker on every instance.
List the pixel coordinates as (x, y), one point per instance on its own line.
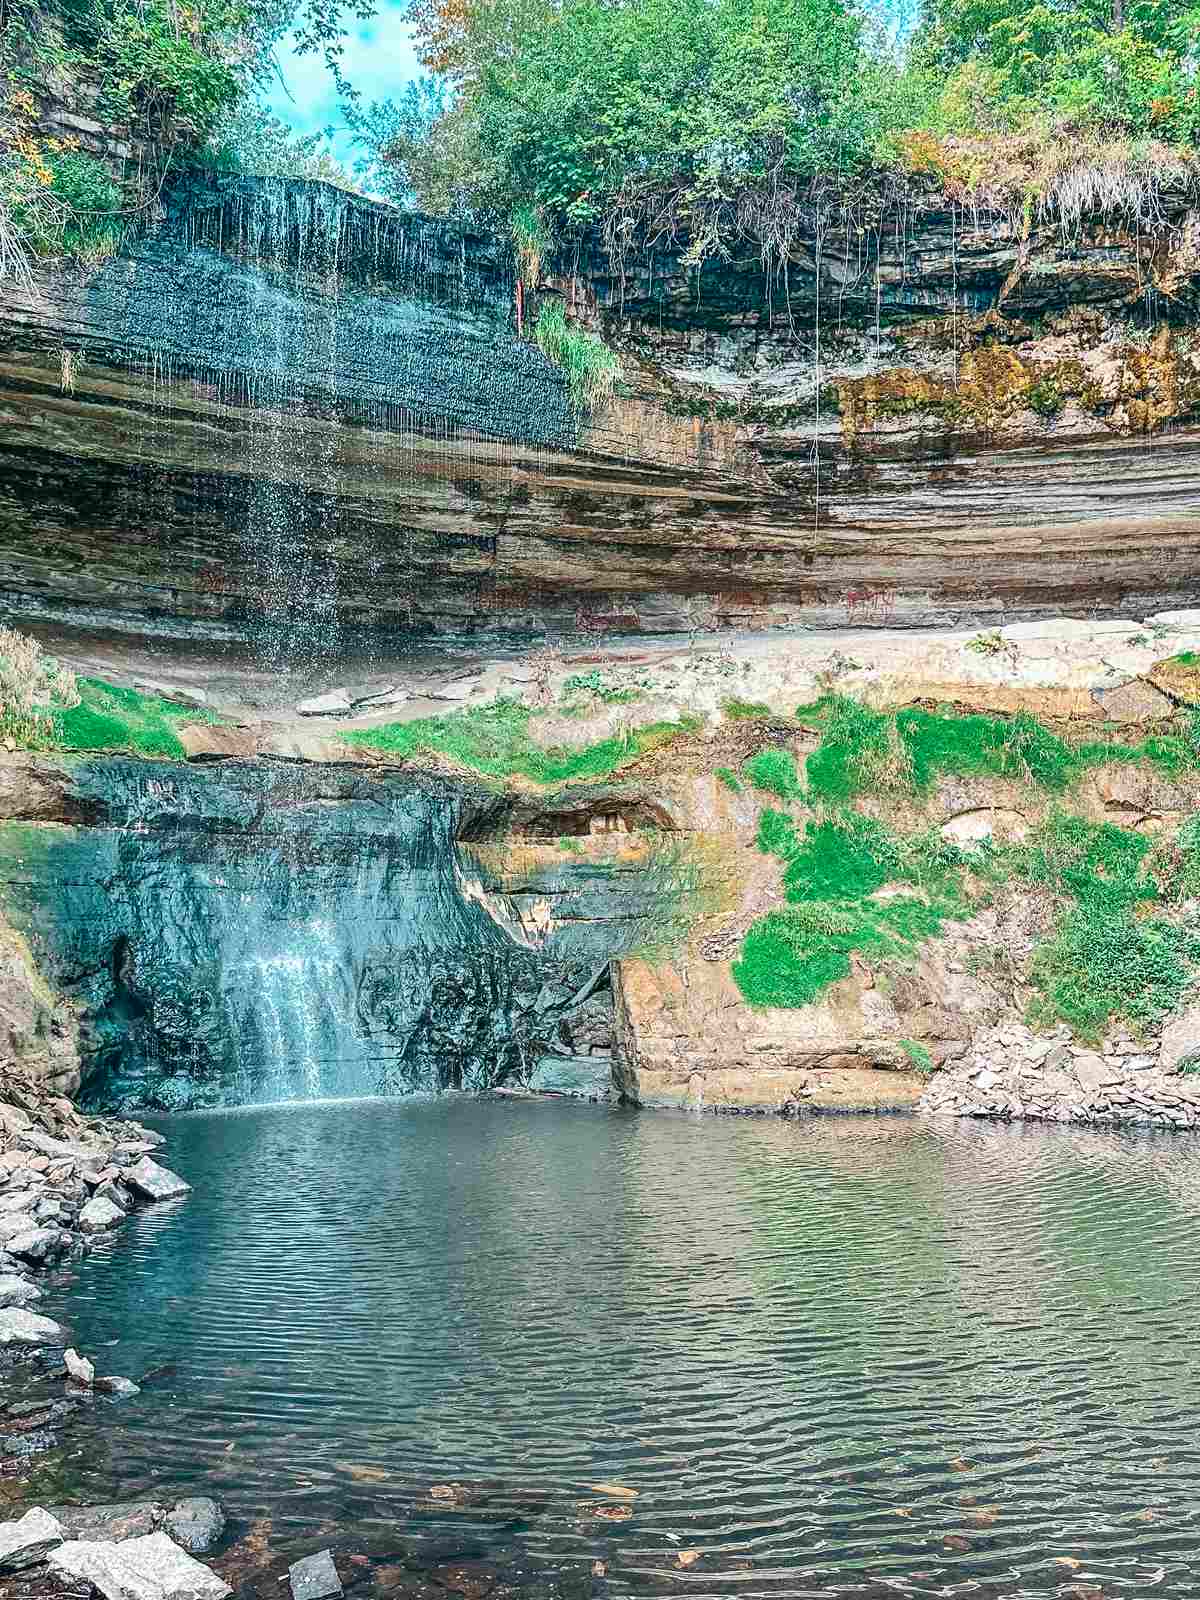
(730, 779)
(917, 1054)
(32, 687)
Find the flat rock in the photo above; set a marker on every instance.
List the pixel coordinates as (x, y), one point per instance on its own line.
(118, 1388)
(196, 1523)
(61, 1149)
(29, 1540)
(150, 1568)
(381, 699)
(100, 1214)
(123, 1519)
(155, 1182)
(334, 704)
(16, 1291)
(26, 1327)
(315, 1577)
(1093, 1072)
(1133, 702)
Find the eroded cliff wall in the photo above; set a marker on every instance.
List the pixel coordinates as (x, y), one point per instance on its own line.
(281, 406)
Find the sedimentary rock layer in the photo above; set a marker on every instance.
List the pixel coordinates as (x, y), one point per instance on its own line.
(282, 407)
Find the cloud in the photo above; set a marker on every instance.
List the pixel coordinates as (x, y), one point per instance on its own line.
(378, 60)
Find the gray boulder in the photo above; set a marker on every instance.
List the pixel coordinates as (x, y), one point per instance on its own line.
(196, 1523)
(100, 1214)
(79, 1368)
(156, 1182)
(26, 1327)
(37, 1244)
(16, 1291)
(149, 1568)
(28, 1540)
(334, 704)
(314, 1578)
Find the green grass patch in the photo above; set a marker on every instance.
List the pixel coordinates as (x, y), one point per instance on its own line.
(831, 870)
(745, 710)
(864, 751)
(774, 772)
(730, 779)
(496, 740)
(917, 1054)
(591, 368)
(111, 718)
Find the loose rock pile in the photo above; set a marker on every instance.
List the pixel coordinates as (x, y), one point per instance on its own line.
(1013, 1073)
(65, 1180)
(139, 1551)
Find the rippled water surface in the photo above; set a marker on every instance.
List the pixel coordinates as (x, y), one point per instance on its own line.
(833, 1357)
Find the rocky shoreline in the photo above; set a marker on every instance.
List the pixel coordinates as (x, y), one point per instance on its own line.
(1014, 1074)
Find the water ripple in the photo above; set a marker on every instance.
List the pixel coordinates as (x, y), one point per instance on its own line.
(844, 1357)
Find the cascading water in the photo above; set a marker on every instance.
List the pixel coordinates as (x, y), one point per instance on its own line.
(249, 932)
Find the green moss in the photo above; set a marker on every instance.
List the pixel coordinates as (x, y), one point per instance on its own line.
(730, 779)
(111, 718)
(744, 710)
(495, 739)
(917, 1054)
(774, 772)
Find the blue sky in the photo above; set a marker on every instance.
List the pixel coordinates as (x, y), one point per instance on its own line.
(378, 60)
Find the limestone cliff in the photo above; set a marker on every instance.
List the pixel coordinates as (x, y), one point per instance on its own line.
(38, 1029)
(282, 408)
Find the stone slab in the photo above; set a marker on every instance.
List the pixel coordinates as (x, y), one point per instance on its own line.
(18, 1326)
(315, 1577)
(155, 1182)
(29, 1540)
(150, 1568)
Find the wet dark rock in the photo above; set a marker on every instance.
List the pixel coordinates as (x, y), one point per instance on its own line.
(196, 1523)
(582, 1077)
(34, 1443)
(354, 922)
(315, 1577)
(38, 1244)
(125, 1519)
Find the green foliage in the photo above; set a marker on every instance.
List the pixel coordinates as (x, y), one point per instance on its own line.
(1104, 962)
(1105, 959)
(744, 710)
(831, 872)
(111, 718)
(1092, 63)
(730, 779)
(495, 739)
(864, 751)
(590, 366)
(774, 772)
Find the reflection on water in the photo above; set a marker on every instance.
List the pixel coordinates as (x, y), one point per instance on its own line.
(832, 1357)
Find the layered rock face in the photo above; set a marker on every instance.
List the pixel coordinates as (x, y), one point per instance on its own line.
(285, 414)
(38, 1030)
(252, 931)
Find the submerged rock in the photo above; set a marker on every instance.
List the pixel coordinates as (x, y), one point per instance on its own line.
(118, 1388)
(196, 1523)
(150, 1568)
(29, 1540)
(314, 1578)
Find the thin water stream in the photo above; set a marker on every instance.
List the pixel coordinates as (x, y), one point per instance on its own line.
(834, 1357)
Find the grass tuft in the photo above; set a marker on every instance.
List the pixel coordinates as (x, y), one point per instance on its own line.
(591, 368)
